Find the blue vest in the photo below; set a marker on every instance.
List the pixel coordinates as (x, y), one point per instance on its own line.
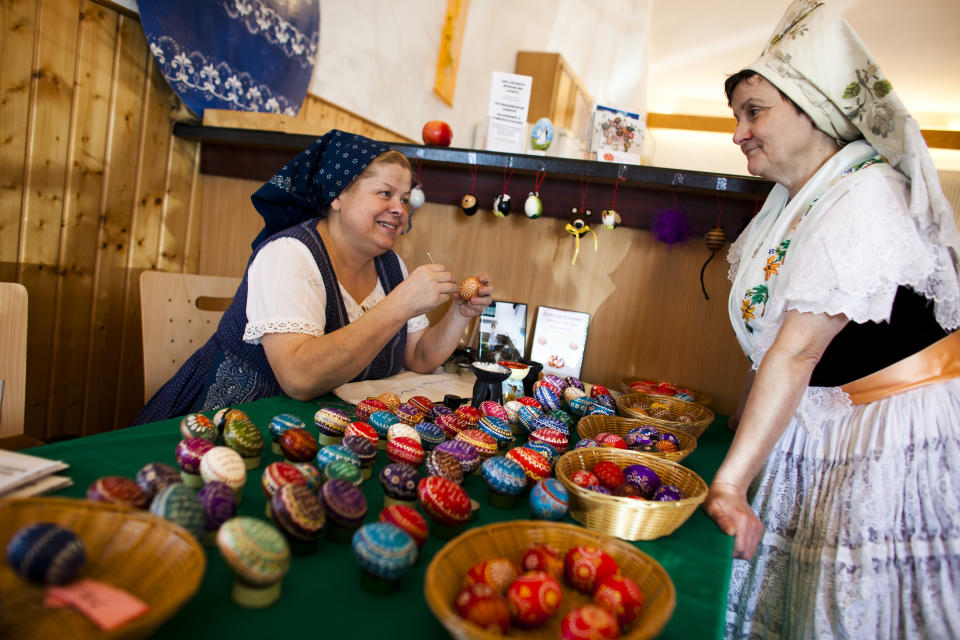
(227, 371)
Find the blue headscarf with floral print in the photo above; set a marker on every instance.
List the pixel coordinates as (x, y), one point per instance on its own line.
(307, 185)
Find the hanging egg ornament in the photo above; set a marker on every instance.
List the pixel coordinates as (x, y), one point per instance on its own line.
(417, 197)
(469, 204)
(610, 219)
(715, 239)
(502, 205)
(533, 206)
(578, 227)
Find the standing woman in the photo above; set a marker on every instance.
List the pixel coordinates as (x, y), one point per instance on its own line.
(845, 291)
(324, 299)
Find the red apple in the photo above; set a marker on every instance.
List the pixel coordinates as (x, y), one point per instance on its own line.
(437, 132)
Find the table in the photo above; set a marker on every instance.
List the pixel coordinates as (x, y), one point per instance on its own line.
(322, 592)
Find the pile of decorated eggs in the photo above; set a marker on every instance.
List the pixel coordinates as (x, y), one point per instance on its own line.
(636, 481)
(499, 592)
(662, 388)
(652, 440)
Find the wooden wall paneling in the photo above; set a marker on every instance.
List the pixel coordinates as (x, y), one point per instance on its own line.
(78, 231)
(191, 256)
(178, 221)
(18, 26)
(49, 131)
(228, 224)
(146, 233)
(118, 199)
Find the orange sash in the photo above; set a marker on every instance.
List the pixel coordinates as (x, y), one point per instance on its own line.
(936, 363)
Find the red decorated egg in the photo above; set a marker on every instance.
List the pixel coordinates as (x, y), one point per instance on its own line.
(444, 500)
(589, 622)
(621, 596)
(278, 475)
(470, 415)
(363, 430)
(585, 567)
(611, 440)
(533, 598)
(609, 474)
(484, 443)
(529, 402)
(553, 437)
(542, 557)
(189, 453)
(392, 400)
(584, 478)
(408, 519)
(534, 463)
(484, 607)
(499, 573)
(451, 423)
(494, 409)
(366, 408)
(667, 446)
(407, 450)
(118, 490)
(423, 403)
(298, 445)
(598, 390)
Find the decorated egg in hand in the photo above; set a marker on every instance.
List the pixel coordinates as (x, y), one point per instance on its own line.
(533, 598)
(46, 552)
(468, 288)
(585, 566)
(549, 499)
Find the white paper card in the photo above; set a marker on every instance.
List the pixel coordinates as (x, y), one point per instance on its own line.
(17, 469)
(507, 112)
(408, 384)
(558, 340)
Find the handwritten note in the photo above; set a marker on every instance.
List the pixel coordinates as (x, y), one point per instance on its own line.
(408, 384)
(107, 606)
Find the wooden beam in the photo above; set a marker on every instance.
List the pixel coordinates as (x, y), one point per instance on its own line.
(936, 138)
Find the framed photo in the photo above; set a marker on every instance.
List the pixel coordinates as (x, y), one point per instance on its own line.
(503, 331)
(558, 340)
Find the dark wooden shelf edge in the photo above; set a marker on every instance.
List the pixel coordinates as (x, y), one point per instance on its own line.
(445, 172)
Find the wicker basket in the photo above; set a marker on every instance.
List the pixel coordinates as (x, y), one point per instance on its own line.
(692, 419)
(630, 518)
(143, 554)
(699, 397)
(510, 539)
(590, 426)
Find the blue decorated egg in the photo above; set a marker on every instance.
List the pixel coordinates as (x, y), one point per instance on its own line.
(504, 476)
(399, 481)
(336, 452)
(547, 398)
(548, 422)
(587, 443)
(549, 499)
(549, 451)
(46, 552)
(581, 405)
(526, 414)
(179, 504)
(499, 428)
(382, 421)
(597, 409)
(282, 422)
(606, 400)
(384, 550)
(310, 473)
(430, 434)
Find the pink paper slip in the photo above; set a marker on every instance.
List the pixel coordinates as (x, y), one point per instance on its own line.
(107, 606)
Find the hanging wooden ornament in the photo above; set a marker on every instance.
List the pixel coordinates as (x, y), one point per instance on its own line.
(469, 200)
(417, 197)
(579, 221)
(715, 239)
(533, 206)
(609, 218)
(502, 204)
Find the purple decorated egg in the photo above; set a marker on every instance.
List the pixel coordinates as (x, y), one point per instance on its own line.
(399, 481)
(365, 450)
(599, 488)
(189, 452)
(219, 504)
(344, 503)
(557, 381)
(575, 382)
(635, 439)
(439, 410)
(645, 478)
(331, 422)
(464, 452)
(669, 493)
(669, 437)
(298, 512)
(409, 414)
(155, 476)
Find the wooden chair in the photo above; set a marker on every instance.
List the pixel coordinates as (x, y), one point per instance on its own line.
(13, 357)
(179, 313)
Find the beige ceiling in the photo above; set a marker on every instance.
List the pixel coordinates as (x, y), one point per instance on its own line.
(696, 43)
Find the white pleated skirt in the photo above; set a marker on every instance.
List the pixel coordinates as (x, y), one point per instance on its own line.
(862, 526)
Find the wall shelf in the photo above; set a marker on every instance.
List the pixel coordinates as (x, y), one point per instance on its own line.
(448, 173)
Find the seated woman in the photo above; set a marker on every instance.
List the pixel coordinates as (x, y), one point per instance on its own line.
(324, 299)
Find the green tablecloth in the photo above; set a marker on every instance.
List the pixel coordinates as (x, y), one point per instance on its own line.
(322, 591)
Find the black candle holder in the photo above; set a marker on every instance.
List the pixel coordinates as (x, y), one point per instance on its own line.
(489, 384)
(533, 374)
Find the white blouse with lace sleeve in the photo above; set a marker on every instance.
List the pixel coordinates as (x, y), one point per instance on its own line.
(285, 294)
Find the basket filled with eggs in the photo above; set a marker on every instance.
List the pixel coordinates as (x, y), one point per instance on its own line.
(628, 494)
(639, 435)
(663, 388)
(536, 579)
(661, 411)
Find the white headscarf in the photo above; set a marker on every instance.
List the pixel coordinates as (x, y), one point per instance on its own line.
(816, 59)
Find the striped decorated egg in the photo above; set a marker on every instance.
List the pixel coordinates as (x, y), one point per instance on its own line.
(444, 500)
(408, 414)
(439, 410)
(534, 464)
(407, 450)
(223, 464)
(580, 405)
(548, 451)
(441, 463)
(254, 550)
(343, 470)
(552, 437)
(331, 421)
(402, 429)
(547, 397)
(384, 550)
(491, 408)
(465, 452)
(363, 430)
(298, 513)
(408, 519)
(504, 476)
(423, 403)
(392, 400)
(575, 382)
(197, 425)
(557, 381)
(498, 428)
(336, 452)
(245, 438)
(118, 490)
(430, 434)
(483, 442)
(598, 409)
(310, 473)
(179, 504)
(549, 499)
(526, 414)
(452, 424)
(366, 408)
(549, 422)
(281, 422)
(345, 504)
(277, 475)
(470, 415)
(529, 402)
(512, 407)
(382, 421)
(47, 553)
(606, 401)
(365, 450)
